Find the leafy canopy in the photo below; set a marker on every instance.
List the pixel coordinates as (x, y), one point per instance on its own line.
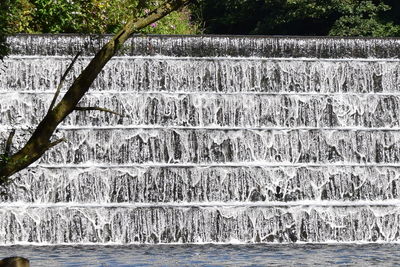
(301, 17)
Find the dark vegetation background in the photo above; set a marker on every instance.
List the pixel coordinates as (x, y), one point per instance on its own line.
(380, 18)
(376, 18)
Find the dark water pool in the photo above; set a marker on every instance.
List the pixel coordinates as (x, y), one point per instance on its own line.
(210, 255)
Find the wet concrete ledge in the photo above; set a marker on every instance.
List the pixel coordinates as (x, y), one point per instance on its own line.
(210, 46)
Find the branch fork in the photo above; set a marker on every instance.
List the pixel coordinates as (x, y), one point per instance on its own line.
(40, 142)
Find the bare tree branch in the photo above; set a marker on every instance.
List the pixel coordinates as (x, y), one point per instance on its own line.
(99, 109)
(53, 102)
(40, 142)
(52, 144)
(7, 151)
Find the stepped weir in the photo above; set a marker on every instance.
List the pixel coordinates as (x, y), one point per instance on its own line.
(224, 139)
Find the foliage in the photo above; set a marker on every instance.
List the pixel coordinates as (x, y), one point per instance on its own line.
(363, 20)
(3, 32)
(301, 17)
(89, 16)
(283, 17)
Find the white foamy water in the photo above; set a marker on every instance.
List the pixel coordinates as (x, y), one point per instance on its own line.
(228, 140)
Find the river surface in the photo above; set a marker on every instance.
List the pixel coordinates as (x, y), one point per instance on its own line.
(210, 255)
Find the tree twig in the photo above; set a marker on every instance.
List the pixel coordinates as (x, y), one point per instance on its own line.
(52, 144)
(98, 109)
(7, 151)
(53, 102)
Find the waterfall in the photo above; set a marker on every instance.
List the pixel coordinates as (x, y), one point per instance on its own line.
(224, 139)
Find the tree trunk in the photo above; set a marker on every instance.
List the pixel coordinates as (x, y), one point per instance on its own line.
(40, 142)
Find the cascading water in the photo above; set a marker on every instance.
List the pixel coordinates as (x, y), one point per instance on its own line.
(223, 139)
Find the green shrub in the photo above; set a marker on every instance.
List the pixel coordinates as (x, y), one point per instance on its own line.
(89, 16)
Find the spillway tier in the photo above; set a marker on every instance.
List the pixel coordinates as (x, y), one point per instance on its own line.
(213, 74)
(207, 146)
(212, 110)
(175, 224)
(189, 184)
(192, 46)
